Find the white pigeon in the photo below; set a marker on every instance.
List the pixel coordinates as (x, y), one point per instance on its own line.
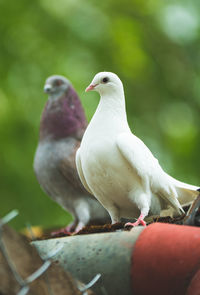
(118, 168)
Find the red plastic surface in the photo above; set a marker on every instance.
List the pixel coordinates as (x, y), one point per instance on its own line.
(166, 260)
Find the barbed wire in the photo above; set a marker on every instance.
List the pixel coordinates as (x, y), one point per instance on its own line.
(24, 283)
(90, 284)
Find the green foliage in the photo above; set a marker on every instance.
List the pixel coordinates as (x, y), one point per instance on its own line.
(152, 45)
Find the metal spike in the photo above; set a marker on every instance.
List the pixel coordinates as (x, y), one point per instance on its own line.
(38, 272)
(24, 290)
(9, 217)
(90, 284)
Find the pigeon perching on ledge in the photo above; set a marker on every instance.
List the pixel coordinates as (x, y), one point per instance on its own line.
(117, 167)
(62, 126)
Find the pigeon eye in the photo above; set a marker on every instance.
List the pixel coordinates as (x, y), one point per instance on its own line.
(58, 82)
(105, 80)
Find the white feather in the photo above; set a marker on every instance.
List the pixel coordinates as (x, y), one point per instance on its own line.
(117, 167)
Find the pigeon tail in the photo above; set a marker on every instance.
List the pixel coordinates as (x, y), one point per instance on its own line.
(186, 192)
(169, 194)
(186, 195)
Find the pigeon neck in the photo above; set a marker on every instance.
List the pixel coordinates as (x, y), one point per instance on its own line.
(63, 116)
(114, 103)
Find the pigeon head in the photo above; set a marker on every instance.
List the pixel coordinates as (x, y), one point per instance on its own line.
(63, 115)
(56, 85)
(105, 83)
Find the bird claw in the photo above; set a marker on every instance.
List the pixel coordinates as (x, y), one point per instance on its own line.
(139, 221)
(65, 231)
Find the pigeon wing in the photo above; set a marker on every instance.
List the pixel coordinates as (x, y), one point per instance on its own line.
(148, 168)
(137, 154)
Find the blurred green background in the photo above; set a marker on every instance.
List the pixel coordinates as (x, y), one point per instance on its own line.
(153, 45)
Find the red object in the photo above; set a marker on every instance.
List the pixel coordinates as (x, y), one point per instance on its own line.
(166, 260)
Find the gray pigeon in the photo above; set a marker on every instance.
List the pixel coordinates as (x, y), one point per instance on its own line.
(62, 126)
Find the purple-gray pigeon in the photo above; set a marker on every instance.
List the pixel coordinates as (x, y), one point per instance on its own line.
(62, 126)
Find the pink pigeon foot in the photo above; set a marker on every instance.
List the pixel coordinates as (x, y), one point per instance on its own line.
(65, 231)
(140, 220)
(68, 230)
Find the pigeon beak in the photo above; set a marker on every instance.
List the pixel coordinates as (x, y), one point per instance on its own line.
(90, 87)
(47, 88)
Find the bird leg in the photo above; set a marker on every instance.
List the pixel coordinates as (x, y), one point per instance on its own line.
(142, 200)
(140, 220)
(68, 230)
(79, 226)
